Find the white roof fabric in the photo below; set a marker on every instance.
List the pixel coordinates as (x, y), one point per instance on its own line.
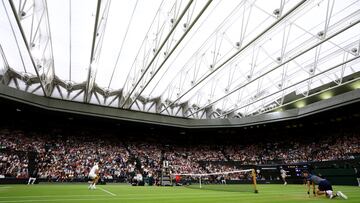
(231, 56)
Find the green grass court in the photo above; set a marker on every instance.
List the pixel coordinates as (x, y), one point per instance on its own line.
(124, 193)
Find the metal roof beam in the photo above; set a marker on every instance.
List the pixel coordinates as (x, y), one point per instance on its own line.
(173, 49)
(285, 62)
(39, 39)
(27, 45)
(91, 71)
(239, 51)
(98, 36)
(156, 54)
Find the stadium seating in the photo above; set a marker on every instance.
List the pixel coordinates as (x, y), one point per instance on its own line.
(69, 157)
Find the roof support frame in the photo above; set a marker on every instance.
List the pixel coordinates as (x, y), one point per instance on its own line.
(299, 82)
(173, 49)
(314, 36)
(98, 36)
(310, 95)
(287, 61)
(155, 56)
(40, 41)
(345, 57)
(27, 46)
(60, 92)
(5, 76)
(240, 50)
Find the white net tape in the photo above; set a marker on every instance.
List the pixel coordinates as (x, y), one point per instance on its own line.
(209, 174)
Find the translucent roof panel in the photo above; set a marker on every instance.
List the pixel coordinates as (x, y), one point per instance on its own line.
(179, 57)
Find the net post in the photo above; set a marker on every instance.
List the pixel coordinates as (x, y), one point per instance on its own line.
(253, 174)
(200, 181)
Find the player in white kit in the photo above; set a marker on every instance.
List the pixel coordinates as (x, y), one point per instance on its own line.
(94, 175)
(283, 175)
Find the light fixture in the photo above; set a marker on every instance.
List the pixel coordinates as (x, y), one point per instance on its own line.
(326, 95)
(300, 104)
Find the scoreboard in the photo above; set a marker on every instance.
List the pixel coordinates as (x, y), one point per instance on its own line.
(295, 171)
(272, 173)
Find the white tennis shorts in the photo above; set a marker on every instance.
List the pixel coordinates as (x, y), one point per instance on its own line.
(92, 175)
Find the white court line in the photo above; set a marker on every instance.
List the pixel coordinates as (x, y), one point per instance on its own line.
(107, 191)
(123, 195)
(46, 196)
(126, 195)
(117, 198)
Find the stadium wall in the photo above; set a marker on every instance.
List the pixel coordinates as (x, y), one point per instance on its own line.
(58, 105)
(340, 172)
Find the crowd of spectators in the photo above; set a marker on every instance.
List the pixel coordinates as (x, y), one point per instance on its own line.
(63, 157)
(148, 157)
(337, 147)
(13, 165)
(74, 156)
